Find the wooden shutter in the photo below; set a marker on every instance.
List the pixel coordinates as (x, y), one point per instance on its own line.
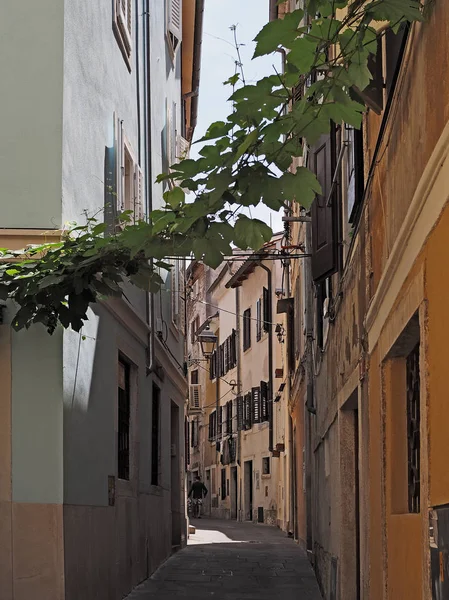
(226, 355)
(125, 20)
(373, 95)
(258, 320)
(138, 194)
(247, 411)
(187, 442)
(266, 310)
(255, 392)
(220, 420)
(239, 413)
(233, 349)
(229, 417)
(175, 21)
(210, 426)
(324, 218)
(247, 329)
(264, 414)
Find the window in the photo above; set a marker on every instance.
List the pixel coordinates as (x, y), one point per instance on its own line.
(413, 429)
(324, 210)
(266, 310)
(229, 417)
(194, 438)
(354, 179)
(259, 320)
(239, 413)
(223, 484)
(129, 179)
(264, 407)
(174, 24)
(155, 435)
(212, 425)
(247, 329)
(255, 399)
(194, 326)
(194, 377)
(323, 298)
(247, 411)
(123, 27)
(266, 465)
(220, 420)
(124, 420)
(178, 295)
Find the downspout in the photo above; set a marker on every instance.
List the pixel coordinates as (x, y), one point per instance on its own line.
(310, 393)
(148, 170)
(199, 13)
(292, 491)
(270, 354)
(239, 388)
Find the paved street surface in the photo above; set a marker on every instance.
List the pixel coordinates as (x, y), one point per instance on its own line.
(226, 560)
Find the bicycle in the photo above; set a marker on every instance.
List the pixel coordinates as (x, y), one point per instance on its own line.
(196, 512)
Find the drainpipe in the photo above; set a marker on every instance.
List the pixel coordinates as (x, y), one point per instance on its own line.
(292, 491)
(239, 387)
(199, 13)
(270, 354)
(148, 170)
(310, 400)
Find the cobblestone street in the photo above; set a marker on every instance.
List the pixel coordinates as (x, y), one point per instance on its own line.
(233, 561)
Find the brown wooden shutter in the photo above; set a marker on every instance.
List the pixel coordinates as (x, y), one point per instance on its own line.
(264, 414)
(258, 320)
(187, 442)
(239, 413)
(324, 218)
(256, 404)
(266, 310)
(220, 420)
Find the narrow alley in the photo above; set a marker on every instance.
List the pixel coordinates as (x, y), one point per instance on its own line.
(233, 561)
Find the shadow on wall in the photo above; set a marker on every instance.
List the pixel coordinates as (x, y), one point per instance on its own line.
(110, 539)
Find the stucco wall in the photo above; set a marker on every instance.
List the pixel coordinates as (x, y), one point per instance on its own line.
(31, 71)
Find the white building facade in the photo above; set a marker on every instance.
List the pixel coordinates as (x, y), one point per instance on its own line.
(240, 438)
(101, 97)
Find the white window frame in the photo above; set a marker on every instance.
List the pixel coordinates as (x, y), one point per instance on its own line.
(122, 21)
(136, 184)
(174, 25)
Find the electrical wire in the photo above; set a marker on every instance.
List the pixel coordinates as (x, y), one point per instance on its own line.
(234, 313)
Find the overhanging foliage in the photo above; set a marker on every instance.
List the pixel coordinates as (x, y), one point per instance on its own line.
(326, 52)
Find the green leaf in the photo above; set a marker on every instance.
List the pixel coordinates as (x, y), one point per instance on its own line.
(232, 80)
(280, 32)
(51, 280)
(251, 233)
(250, 139)
(360, 75)
(175, 197)
(302, 54)
(216, 130)
(301, 186)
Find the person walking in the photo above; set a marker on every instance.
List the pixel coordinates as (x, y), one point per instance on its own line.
(198, 491)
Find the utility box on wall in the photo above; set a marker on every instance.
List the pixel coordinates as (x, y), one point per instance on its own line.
(439, 551)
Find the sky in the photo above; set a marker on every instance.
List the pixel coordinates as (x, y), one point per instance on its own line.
(218, 64)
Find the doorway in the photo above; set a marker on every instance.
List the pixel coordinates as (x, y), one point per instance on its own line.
(248, 479)
(350, 493)
(233, 492)
(175, 476)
